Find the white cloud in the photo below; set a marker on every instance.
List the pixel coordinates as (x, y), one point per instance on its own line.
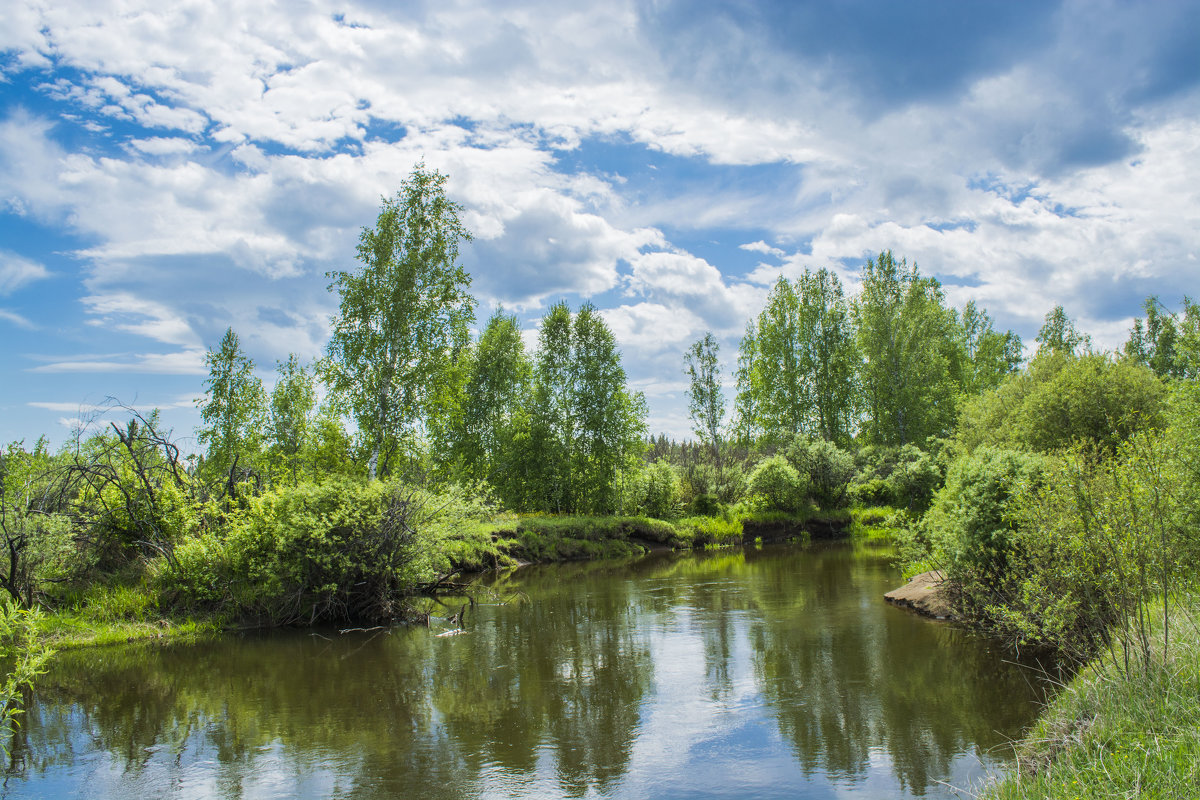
(762, 247)
(16, 319)
(184, 362)
(263, 140)
(17, 271)
(164, 146)
(141, 317)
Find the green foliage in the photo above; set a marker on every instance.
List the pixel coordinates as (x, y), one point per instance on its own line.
(232, 410)
(587, 432)
(24, 656)
(1099, 544)
(910, 344)
(778, 485)
(1167, 343)
(797, 365)
(660, 496)
(990, 356)
(494, 419)
(826, 469)
(572, 538)
(1059, 400)
(705, 487)
(611, 422)
(1058, 336)
(706, 400)
(751, 384)
(106, 603)
(290, 417)
(971, 527)
(402, 323)
(883, 523)
(1113, 733)
(329, 448)
(906, 477)
(36, 536)
(829, 356)
(133, 496)
(334, 551)
(712, 530)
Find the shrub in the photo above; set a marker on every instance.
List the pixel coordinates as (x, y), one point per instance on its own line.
(827, 468)
(971, 525)
(660, 495)
(905, 477)
(778, 485)
(1058, 400)
(1099, 546)
(915, 479)
(338, 550)
(23, 656)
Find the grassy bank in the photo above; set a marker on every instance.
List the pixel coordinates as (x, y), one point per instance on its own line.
(136, 609)
(1116, 732)
(566, 538)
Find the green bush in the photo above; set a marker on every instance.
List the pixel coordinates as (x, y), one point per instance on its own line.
(1059, 400)
(660, 495)
(778, 485)
(706, 488)
(334, 551)
(1100, 545)
(915, 479)
(971, 525)
(827, 469)
(23, 655)
(905, 477)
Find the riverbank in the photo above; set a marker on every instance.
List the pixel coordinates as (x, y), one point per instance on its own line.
(1118, 732)
(134, 611)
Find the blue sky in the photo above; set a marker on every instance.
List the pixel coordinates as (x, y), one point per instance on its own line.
(170, 170)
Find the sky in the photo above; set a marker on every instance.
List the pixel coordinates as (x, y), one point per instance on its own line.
(170, 170)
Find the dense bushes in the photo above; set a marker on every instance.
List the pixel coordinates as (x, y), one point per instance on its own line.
(902, 477)
(1071, 549)
(1060, 399)
(970, 528)
(827, 469)
(333, 551)
(778, 485)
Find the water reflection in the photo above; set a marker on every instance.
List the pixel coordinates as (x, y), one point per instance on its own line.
(774, 672)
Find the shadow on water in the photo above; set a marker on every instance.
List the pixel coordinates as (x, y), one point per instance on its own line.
(775, 671)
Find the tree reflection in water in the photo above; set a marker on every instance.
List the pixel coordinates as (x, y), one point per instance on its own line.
(607, 679)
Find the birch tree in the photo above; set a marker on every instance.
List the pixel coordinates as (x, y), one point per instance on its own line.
(403, 319)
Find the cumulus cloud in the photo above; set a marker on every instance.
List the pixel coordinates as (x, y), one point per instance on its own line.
(211, 165)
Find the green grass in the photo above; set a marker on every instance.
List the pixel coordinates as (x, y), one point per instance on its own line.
(66, 630)
(547, 538)
(1113, 733)
(877, 523)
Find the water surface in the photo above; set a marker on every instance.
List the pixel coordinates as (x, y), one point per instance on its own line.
(776, 672)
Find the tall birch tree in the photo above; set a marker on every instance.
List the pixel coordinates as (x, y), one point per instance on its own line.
(403, 319)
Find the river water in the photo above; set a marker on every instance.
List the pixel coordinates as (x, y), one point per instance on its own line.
(770, 672)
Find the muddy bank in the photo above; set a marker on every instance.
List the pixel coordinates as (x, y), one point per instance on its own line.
(923, 594)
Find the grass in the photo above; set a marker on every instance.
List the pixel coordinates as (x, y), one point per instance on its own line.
(1114, 733)
(67, 630)
(877, 523)
(544, 538)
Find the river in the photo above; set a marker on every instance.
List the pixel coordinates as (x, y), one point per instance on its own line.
(765, 672)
